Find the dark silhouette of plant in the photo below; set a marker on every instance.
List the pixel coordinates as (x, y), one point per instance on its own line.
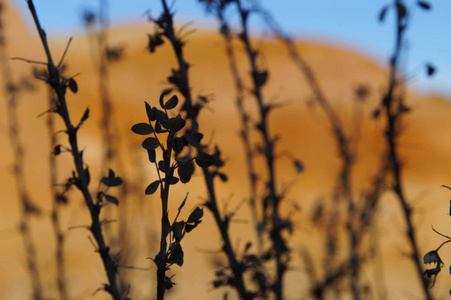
(80, 177)
(234, 276)
(58, 201)
(176, 148)
(217, 8)
(344, 193)
(394, 108)
(161, 124)
(27, 208)
(272, 219)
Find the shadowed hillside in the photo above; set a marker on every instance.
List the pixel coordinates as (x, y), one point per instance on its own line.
(301, 125)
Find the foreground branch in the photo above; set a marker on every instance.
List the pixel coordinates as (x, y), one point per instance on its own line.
(81, 177)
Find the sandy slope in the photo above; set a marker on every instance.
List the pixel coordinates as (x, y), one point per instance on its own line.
(303, 131)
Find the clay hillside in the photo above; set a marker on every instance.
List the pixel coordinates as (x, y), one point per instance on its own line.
(301, 125)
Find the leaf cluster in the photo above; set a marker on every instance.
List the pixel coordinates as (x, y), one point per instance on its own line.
(168, 138)
(159, 122)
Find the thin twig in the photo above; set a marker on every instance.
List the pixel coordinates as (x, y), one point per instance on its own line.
(56, 206)
(64, 53)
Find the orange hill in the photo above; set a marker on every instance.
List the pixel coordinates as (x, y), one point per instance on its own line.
(303, 131)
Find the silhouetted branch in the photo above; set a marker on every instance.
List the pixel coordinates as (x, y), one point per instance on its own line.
(111, 138)
(56, 205)
(276, 222)
(80, 177)
(394, 108)
(180, 80)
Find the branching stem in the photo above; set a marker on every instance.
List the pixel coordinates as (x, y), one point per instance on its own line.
(59, 86)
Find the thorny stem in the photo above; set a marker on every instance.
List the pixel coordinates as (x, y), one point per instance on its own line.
(27, 209)
(393, 109)
(177, 44)
(223, 226)
(161, 259)
(356, 231)
(56, 221)
(110, 135)
(59, 86)
(281, 254)
(192, 111)
(245, 129)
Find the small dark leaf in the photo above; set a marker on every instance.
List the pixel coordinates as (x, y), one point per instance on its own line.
(112, 181)
(204, 160)
(61, 199)
(299, 166)
(248, 246)
(176, 124)
(151, 143)
(152, 188)
(383, 13)
(185, 171)
(142, 128)
(160, 116)
(112, 199)
(152, 155)
(177, 230)
(179, 143)
(149, 112)
(162, 95)
(176, 256)
(430, 69)
(223, 177)
(73, 85)
(57, 150)
(260, 78)
(168, 284)
(171, 103)
(219, 282)
(155, 40)
(195, 215)
(173, 180)
(162, 166)
(424, 5)
(217, 156)
(114, 54)
(85, 115)
(194, 138)
(376, 113)
(402, 10)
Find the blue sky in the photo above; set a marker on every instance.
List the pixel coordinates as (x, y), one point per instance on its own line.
(352, 23)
